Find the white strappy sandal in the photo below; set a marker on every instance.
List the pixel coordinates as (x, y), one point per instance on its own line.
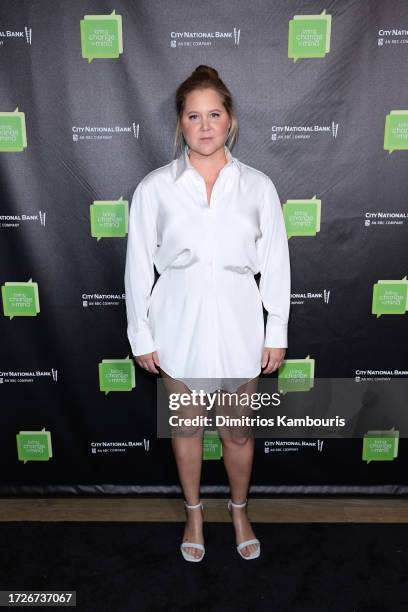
(187, 556)
(242, 545)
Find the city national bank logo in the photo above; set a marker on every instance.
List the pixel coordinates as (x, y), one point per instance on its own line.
(390, 297)
(13, 134)
(102, 299)
(363, 375)
(108, 446)
(302, 217)
(203, 39)
(380, 218)
(393, 37)
(116, 375)
(7, 221)
(103, 132)
(396, 131)
(380, 445)
(109, 219)
(25, 35)
(309, 36)
(28, 376)
(301, 298)
(20, 299)
(34, 445)
(302, 132)
(296, 375)
(101, 36)
(282, 446)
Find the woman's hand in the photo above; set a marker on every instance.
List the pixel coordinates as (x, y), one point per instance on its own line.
(148, 361)
(272, 359)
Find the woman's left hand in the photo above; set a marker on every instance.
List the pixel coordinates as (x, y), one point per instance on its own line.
(272, 359)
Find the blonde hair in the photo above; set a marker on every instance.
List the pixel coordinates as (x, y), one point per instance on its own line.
(204, 77)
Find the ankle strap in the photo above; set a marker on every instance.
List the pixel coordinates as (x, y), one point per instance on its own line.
(239, 505)
(194, 506)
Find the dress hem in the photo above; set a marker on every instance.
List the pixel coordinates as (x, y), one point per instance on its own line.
(213, 378)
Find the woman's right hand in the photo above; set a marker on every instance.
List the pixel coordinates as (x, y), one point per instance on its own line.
(148, 361)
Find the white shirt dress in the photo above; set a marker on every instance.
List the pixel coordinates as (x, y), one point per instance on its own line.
(204, 316)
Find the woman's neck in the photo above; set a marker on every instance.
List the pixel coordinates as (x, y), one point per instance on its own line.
(208, 165)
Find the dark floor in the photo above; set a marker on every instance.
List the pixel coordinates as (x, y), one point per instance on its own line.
(137, 566)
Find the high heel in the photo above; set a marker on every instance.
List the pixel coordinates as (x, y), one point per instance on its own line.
(187, 556)
(242, 545)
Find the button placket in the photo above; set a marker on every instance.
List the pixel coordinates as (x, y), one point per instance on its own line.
(214, 366)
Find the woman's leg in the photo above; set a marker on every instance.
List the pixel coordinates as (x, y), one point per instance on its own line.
(238, 451)
(187, 443)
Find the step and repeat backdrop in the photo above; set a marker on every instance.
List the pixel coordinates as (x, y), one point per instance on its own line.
(86, 111)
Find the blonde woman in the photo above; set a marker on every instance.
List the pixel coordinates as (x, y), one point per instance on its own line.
(208, 223)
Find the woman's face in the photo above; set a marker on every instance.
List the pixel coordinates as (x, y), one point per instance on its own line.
(204, 121)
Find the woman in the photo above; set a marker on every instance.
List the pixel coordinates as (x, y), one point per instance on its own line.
(208, 222)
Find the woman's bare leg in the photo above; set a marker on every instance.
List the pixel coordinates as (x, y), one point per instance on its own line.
(238, 453)
(187, 444)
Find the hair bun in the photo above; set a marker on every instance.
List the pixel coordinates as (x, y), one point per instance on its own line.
(211, 72)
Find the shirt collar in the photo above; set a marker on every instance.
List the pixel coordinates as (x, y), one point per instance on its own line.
(183, 163)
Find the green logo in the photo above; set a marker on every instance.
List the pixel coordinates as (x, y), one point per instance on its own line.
(390, 297)
(302, 217)
(20, 299)
(212, 447)
(309, 36)
(116, 375)
(380, 445)
(101, 36)
(296, 375)
(396, 131)
(109, 219)
(13, 135)
(34, 445)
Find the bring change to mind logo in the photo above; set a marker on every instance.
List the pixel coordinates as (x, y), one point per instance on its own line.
(13, 133)
(390, 297)
(20, 299)
(101, 36)
(302, 217)
(212, 447)
(309, 36)
(34, 445)
(296, 375)
(380, 445)
(396, 131)
(116, 375)
(109, 219)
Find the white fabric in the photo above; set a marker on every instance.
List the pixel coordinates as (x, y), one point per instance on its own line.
(204, 316)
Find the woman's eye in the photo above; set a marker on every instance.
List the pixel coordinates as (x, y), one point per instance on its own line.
(215, 115)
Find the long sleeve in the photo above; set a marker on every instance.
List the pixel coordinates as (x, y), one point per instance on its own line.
(139, 271)
(273, 254)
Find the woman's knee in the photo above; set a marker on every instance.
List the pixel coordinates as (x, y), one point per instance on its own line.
(236, 438)
(184, 431)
